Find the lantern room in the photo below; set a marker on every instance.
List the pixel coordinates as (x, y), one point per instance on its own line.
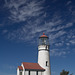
(43, 40)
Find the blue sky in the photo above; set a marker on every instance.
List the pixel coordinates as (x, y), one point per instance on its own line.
(23, 21)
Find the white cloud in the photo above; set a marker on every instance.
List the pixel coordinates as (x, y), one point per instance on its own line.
(60, 27)
(1, 25)
(56, 52)
(54, 29)
(22, 10)
(56, 35)
(69, 2)
(73, 36)
(10, 67)
(72, 12)
(68, 44)
(4, 31)
(59, 44)
(72, 41)
(37, 22)
(27, 31)
(54, 0)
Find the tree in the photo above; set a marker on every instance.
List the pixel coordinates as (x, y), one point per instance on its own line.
(64, 72)
(71, 74)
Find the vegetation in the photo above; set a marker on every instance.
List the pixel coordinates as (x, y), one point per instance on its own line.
(65, 72)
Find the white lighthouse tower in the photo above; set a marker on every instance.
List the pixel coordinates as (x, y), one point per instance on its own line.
(44, 54)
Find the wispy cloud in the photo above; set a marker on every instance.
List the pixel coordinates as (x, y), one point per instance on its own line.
(1, 25)
(72, 41)
(22, 10)
(59, 44)
(37, 20)
(54, 0)
(10, 67)
(4, 31)
(69, 2)
(56, 52)
(71, 10)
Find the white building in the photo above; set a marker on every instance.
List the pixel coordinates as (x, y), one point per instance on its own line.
(43, 65)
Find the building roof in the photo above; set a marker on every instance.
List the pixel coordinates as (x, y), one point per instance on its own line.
(32, 66)
(43, 36)
(20, 67)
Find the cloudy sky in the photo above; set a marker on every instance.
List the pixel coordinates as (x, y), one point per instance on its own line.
(23, 21)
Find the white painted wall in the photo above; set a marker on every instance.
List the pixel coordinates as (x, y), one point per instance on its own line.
(43, 56)
(17, 71)
(32, 72)
(23, 73)
(39, 73)
(26, 72)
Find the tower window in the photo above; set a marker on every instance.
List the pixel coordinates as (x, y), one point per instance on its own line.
(46, 63)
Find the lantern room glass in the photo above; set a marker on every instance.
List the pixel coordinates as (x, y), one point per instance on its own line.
(43, 41)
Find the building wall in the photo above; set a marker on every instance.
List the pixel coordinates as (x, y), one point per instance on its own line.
(44, 58)
(17, 71)
(31, 72)
(40, 73)
(23, 73)
(26, 72)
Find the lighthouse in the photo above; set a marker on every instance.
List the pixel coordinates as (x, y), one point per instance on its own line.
(44, 54)
(43, 65)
